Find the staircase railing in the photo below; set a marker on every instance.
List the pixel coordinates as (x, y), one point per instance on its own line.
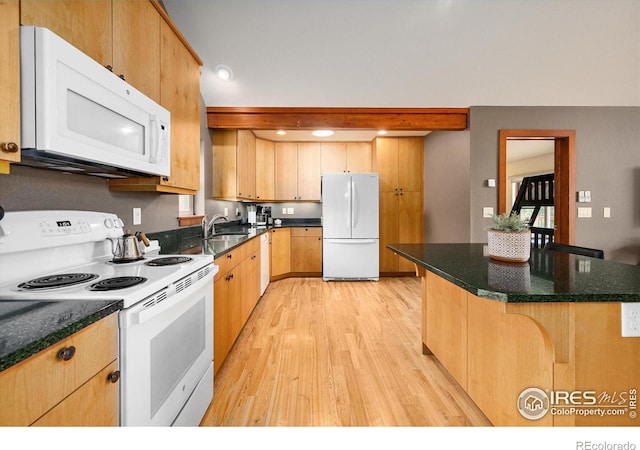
(537, 192)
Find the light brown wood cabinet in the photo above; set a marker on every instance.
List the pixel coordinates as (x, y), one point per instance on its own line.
(180, 94)
(306, 250)
(234, 164)
(86, 24)
(280, 242)
(47, 390)
(265, 170)
(297, 171)
(236, 291)
(399, 162)
(345, 157)
(9, 84)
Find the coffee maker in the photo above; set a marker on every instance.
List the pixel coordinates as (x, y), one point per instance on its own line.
(263, 216)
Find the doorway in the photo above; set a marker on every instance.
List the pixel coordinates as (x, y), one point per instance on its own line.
(564, 175)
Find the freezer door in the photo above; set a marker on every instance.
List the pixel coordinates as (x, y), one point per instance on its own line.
(336, 205)
(350, 259)
(364, 205)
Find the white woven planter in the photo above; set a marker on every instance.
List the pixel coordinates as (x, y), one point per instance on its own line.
(509, 246)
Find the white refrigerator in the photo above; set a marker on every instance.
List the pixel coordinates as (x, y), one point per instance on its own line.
(350, 226)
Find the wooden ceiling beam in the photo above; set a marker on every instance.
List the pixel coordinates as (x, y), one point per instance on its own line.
(292, 118)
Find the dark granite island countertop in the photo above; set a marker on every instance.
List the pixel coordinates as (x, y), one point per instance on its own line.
(510, 334)
(547, 277)
(27, 327)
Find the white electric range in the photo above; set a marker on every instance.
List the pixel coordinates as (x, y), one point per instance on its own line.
(165, 326)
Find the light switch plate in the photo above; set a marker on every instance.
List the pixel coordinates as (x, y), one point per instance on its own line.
(584, 212)
(289, 210)
(630, 319)
(137, 216)
(487, 211)
(607, 212)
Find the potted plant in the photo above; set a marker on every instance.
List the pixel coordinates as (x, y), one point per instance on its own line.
(509, 238)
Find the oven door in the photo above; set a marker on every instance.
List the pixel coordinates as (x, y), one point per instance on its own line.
(165, 350)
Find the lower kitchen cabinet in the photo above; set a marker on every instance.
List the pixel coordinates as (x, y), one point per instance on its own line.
(306, 250)
(236, 291)
(52, 389)
(280, 241)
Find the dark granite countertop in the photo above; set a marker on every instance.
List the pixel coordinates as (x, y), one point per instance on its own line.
(27, 327)
(547, 277)
(188, 240)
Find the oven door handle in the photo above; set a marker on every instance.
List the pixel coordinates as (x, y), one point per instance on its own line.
(139, 314)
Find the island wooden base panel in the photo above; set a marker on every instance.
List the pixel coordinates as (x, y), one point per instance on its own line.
(317, 353)
(496, 350)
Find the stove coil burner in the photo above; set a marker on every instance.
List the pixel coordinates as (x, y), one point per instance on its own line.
(56, 281)
(112, 284)
(168, 261)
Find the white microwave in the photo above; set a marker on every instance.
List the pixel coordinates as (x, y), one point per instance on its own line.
(77, 116)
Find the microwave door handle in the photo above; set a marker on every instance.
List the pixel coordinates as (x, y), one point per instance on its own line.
(155, 140)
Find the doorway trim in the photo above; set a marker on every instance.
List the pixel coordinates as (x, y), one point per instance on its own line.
(564, 176)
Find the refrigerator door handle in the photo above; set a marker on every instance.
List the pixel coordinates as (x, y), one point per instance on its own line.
(350, 241)
(354, 204)
(348, 195)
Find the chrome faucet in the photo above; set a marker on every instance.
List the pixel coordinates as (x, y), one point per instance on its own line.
(207, 225)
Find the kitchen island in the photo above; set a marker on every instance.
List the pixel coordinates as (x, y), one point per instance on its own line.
(537, 343)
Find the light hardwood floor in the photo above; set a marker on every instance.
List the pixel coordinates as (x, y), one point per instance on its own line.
(317, 353)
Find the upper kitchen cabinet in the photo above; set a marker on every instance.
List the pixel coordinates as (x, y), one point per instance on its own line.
(234, 165)
(297, 171)
(9, 84)
(265, 170)
(346, 157)
(399, 162)
(180, 94)
(86, 24)
(123, 36)
(246, 168)
(136, 45)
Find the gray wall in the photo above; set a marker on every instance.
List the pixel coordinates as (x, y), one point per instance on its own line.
(27, 188)
(607, 164)
(446, 187)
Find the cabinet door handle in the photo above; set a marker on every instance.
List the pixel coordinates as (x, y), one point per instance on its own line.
(229, 256)
(253, 257)
(229, 277)
(113, 377)
(9, 147)
(67, 353)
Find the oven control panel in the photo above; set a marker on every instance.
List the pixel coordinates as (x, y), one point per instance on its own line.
(64, 227)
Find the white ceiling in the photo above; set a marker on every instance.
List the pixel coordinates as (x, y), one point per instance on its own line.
(415, 53)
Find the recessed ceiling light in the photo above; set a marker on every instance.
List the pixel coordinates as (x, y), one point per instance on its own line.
(223, 72)
(322, 133)
(281, 132)
(382, 132)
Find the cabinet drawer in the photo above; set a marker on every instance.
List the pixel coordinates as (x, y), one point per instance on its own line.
(34, 386)
(227, 262)
(306, 232)
(94, 404)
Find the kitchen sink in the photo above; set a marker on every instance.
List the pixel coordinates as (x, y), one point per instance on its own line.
(228, 237)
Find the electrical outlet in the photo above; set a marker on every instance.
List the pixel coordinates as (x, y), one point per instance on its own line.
(630, 318)
(487, 211)
(584, 212)
(587, 196)
(289, 210)
(226, 212)
(284, 210)
(137, 216)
